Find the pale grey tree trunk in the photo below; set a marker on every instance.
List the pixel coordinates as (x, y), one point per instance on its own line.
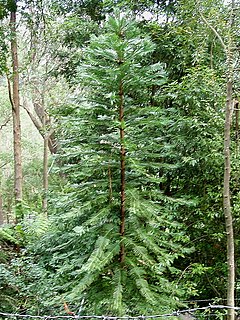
(227, 202)
(228, 49)
(45, 168)
(1, 211)
(15, 102)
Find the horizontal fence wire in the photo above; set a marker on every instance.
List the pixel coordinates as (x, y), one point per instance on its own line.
(140, 317)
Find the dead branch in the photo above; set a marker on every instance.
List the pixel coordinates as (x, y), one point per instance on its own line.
(5, 123)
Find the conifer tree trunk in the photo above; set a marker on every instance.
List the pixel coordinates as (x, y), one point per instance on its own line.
(123, 157)
(15, 101)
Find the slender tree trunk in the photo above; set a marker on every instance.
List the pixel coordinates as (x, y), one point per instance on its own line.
(45, 174)
(227, 172)
(122, 165)
(237, 125)
(38, 122)
(1, 211)
(43, 118)
(8, 210)
(15, 101)
(228, 49)
(1, 202)
(52, 143)
(227, 202)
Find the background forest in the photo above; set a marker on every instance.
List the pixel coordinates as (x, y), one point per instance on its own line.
(119, 156)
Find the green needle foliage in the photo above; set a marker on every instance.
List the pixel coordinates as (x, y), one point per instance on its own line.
(85, 243)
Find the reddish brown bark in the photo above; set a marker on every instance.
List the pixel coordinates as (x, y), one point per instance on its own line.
(122, 165)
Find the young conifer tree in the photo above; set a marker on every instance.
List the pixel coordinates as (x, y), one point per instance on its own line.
(118, 240)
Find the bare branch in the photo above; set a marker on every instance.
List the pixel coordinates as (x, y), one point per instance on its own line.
(10, 93)
(35, 121)
(3, 165)
(5, 123)
(211, 27)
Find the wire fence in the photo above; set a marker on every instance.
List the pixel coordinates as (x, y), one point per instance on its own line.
(208, 312)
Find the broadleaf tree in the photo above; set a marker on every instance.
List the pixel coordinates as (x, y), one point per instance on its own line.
(228, 37)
